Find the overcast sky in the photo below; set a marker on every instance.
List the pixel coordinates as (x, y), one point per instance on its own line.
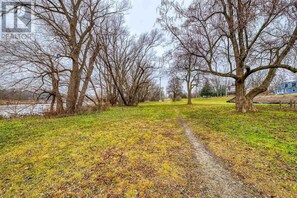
(142, 16)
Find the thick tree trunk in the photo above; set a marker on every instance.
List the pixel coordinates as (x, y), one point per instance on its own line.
(88, 78)
(85, 87)
(73, 88)
(243, 103)
(71, 100)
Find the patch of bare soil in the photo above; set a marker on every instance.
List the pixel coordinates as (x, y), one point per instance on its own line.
(217, 180)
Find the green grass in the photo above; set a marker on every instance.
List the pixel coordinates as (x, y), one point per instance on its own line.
(261, 147)
(142, 151)
(122, 152)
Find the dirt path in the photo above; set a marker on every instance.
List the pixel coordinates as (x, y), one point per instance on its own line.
(217, 180)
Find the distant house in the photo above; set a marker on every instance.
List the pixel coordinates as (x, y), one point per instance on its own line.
(287, 88)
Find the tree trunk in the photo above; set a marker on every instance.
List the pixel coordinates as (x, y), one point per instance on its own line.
(189, 96)
(59, 107)
(88, 77)
(73, 88)
(71, 100)
(52, 108)
(243, 103)
(85, 87)
(57, 95)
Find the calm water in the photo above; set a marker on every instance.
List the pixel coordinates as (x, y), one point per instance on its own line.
(23, 109)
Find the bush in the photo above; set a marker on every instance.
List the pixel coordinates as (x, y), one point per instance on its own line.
(207, 91)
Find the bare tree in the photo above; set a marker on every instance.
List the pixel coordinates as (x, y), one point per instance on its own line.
(63, 57)
(245, 36)
(175, 88)
(32, 65)
(151, 92)
(186, 65)
(74, 23)
(129, 61)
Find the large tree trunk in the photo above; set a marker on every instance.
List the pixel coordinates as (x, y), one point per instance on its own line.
(73, 88)
(71, 99)
(243, 103)
(88, 77)
(85, 87)
(261, 89)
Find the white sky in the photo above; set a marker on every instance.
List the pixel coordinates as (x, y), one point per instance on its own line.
(142, 17)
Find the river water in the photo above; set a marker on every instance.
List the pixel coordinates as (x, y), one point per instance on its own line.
(23, 109)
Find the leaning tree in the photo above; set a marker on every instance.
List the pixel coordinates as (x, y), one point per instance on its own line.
(244, 36)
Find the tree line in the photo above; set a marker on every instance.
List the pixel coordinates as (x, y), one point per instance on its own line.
(244, 40)
(82, 51)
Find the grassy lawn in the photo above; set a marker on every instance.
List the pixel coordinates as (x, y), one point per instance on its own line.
(122, 152)
(260, 147)
(143, 151)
